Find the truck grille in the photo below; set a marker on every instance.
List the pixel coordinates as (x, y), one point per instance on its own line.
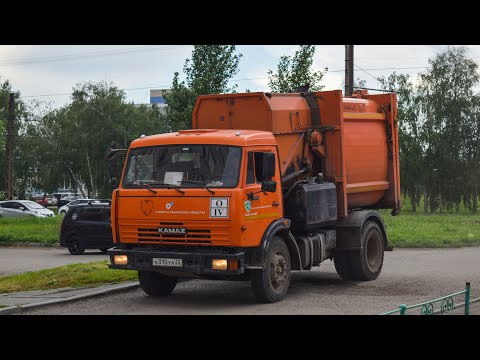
(193, 236)
(198, 232)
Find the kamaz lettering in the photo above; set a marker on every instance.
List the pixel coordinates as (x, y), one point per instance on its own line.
(172, 230)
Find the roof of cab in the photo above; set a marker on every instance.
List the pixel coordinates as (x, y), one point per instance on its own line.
(208, 136)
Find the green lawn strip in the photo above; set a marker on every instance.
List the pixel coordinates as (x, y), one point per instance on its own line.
(432, 230)
(72, 275)
(39, 230)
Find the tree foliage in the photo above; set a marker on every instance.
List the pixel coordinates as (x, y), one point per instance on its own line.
(207, 72)
(295, 72)
(439, 132)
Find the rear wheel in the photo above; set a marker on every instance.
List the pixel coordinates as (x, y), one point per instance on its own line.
(63, 212)
(75, 248)
(271, 284)
(365, 264)
(156, 284)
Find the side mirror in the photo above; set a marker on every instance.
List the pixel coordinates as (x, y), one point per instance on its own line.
(23, 208)
(269, 186)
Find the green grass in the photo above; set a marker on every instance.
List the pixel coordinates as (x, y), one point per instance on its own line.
(432, 230)
(73, 275)
(39, 230)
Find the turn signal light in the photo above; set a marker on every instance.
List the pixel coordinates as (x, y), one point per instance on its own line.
(219, 264)
(120, 259)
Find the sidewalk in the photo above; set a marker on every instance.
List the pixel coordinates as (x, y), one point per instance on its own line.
(16, 302)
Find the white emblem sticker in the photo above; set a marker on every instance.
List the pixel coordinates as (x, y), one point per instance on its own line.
(219, 207)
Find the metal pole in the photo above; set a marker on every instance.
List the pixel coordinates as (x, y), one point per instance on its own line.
(403, 309)
(467, 299)
(10, 147)
(348, 70)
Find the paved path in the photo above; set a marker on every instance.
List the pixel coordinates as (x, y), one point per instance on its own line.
(14, 260)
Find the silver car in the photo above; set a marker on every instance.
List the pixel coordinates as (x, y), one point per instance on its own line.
(23, 208)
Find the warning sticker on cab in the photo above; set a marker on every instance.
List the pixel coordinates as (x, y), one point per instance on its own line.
(219, 207)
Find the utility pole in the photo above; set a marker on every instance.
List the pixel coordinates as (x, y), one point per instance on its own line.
(10, 147)
(348, 70)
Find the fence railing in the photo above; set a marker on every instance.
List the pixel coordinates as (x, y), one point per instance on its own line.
(447, 304)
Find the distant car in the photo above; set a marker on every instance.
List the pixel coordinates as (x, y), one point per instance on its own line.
(65, 200)
(64, 209)
(42, 201)
(23, 208)
(87, 226)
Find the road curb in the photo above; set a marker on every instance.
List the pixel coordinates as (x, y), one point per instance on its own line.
(21, 308)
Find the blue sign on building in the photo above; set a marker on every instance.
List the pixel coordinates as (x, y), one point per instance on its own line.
(157, 100)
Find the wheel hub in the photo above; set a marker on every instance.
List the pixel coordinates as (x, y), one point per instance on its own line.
(278, 270)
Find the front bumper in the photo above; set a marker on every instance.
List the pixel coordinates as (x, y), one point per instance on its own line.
(192, 261)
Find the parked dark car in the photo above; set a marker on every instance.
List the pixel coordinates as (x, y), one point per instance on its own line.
(87, 226)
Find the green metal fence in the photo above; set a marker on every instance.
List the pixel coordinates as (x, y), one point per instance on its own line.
(446, 306)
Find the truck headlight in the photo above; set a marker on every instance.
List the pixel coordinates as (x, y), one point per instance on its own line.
(120, 259)
(219, 264)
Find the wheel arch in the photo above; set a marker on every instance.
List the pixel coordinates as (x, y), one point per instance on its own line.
(279, 227)
(349, 229)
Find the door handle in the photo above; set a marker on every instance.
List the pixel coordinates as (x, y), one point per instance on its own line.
(275, 203)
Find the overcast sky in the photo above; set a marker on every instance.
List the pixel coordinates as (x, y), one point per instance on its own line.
(48, 73)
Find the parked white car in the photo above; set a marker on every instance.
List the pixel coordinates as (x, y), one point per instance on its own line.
(23, 208)
(64, 209)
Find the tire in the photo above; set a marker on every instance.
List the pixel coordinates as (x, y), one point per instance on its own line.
(104, 250)
(74, 247)
(342, 265)
(271, 284)
(366, 264)
(156, 284)
(63, 212)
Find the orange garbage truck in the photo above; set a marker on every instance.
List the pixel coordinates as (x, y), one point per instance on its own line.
(263, 184)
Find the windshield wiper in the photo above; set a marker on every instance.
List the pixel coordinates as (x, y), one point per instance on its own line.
(148, 188)
(168, 186)
(200, 183)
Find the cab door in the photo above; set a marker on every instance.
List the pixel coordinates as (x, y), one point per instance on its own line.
(260, 208)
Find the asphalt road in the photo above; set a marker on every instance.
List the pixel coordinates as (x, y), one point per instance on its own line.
(408, 276)
(14, 260)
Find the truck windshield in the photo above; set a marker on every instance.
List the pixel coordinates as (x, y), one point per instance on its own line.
(196, 166)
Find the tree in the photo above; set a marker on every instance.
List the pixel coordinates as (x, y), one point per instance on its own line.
(294, 72)
(207, 72)
(410, 146)
(447, 93)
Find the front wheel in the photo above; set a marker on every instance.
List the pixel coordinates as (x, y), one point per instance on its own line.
(156, 284)
(271, 284)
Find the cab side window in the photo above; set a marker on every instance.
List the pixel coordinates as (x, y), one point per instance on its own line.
(250, 169)
(255, 167)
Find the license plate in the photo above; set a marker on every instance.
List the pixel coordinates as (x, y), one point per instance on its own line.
(167, 262)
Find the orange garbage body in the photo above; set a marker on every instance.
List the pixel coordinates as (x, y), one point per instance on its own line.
(358, 136)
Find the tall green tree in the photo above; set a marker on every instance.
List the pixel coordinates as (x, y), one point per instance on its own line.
(207, 72)
(447, 90)
(294, 72)
(410, 146)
